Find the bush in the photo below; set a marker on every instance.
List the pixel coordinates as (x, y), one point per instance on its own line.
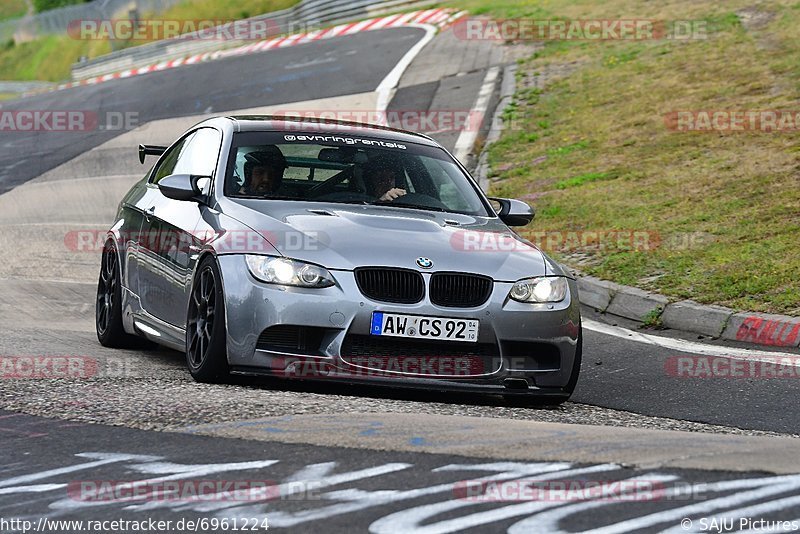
(46, 5)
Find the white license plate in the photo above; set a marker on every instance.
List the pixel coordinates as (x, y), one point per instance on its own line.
(416, 326)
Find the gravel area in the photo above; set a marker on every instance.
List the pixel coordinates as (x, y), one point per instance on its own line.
(152, 390)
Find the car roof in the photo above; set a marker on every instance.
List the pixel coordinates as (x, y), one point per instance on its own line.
(261, 123)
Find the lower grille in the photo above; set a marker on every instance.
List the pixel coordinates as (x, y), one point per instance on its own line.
(460, 290)
(292, 339)
(527, 356)
(402, 286)
(420, 357)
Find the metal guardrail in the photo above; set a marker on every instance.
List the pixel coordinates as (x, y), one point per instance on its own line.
(15, 87)
(306, 13)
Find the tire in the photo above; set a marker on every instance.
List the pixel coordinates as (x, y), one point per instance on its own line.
(108, 303)
(206, 348)
(569, 388)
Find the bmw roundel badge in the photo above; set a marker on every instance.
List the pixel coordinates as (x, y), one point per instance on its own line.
(425, 263)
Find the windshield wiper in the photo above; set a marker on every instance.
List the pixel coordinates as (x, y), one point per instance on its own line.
(267, 198)
(412, 206)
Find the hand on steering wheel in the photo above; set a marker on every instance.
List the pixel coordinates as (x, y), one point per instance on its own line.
(392, 194)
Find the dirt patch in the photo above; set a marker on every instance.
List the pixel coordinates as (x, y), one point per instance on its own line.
(754, 18)
(542, 77)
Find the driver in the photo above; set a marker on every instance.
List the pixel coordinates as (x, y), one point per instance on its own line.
(381, 176)
(263, 171)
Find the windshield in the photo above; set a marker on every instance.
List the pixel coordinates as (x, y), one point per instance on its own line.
(348, 169)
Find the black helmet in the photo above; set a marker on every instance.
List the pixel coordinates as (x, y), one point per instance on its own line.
(266, 156)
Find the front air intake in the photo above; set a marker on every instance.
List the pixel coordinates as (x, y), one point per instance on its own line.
(387, 284)
(460, 290)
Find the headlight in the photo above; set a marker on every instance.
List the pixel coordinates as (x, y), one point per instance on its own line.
(276, 270)
(543, 289)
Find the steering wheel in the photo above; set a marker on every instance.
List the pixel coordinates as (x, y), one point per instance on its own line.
(330, 184)
(419, 199)
(345, 196)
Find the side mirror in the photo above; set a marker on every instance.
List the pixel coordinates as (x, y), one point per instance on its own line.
(180, 186)
(514, 212)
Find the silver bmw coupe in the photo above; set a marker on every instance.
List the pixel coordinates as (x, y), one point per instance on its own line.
(325, 250)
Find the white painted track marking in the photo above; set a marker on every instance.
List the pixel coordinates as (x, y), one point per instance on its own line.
(386, 88)
(682, 345)
(466, 140)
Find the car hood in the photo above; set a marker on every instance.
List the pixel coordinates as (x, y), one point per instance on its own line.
(344, 237)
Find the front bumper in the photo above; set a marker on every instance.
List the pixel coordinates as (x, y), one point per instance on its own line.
(531, 345)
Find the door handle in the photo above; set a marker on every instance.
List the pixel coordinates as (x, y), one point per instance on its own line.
(149, 212)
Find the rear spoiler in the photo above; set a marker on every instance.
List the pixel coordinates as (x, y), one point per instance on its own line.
(150, 150)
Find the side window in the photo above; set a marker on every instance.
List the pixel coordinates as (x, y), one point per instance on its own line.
(169, 160)
(200, 153)
(444, 186)
(196, 154)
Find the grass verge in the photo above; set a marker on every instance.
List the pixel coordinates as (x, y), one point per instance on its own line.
(720, 212)
(11, 9)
